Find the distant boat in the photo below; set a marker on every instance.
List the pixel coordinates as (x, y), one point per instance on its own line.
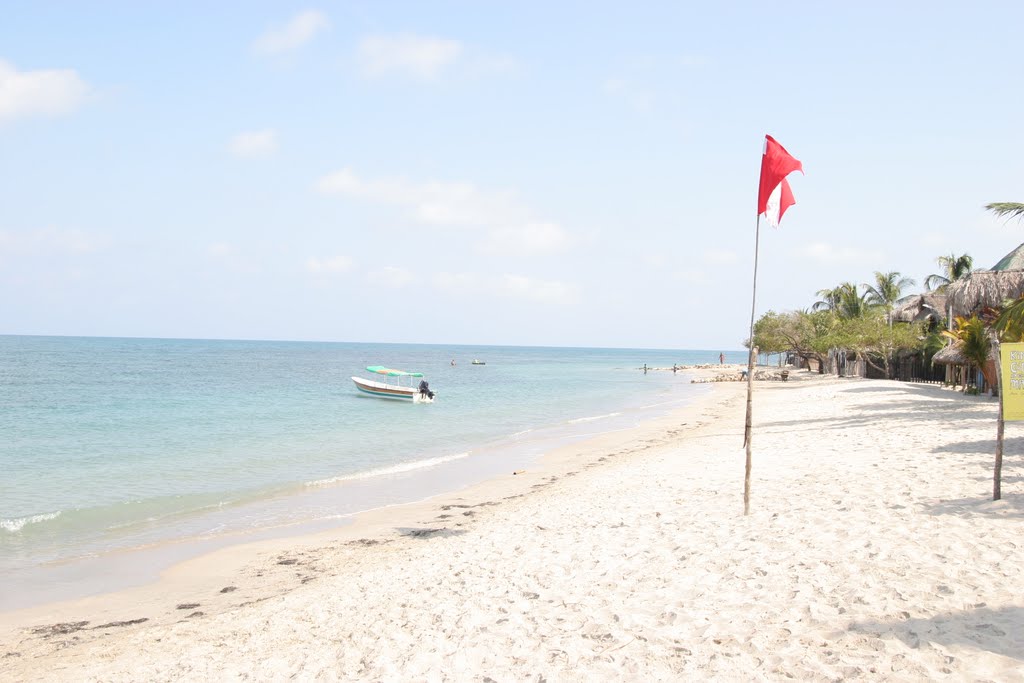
(479, 362)
(400, 391)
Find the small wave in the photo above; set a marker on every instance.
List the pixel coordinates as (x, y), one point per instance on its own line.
(591, 419)
(393, 469)
(662, 404)
(518, 434)
(17, 524)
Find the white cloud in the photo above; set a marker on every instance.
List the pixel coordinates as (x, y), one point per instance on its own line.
(47, 92)
(391, 276)
(655, 260)
(328, 266)
(691, 277)
(231, 258)
(690, 61)
(296, 33)
(552, 292)
(435, 203)
(720, 257)
(432, 203)
(486, 65)
(935, 240)
(527, 238)
(254, 144)
(49, 240)
(830, 254)
(220, 249)
(456, 282)
(510, 226)
(421, 57)
(638, 98)
(540, 291)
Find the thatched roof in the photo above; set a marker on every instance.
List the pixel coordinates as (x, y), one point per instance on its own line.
(982, 288)
(917, 307)
(1012, 261)
(951, 355)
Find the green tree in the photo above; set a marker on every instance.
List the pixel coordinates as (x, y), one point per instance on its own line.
(807, 334)
(886, 291)
(972, 337)
(954, 267)
(1009, 322)
(875, 340)
(770, 333)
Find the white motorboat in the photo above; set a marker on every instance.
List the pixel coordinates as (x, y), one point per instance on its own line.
(401, 390)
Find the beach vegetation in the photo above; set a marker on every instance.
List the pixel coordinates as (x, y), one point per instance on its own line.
(886, 291)
(1007, 209)
(1009, 323)
(844, 300)
(844, 318)
(971, 336)
(875, 340)
(953, 268)
(807, 334)
(876, 324)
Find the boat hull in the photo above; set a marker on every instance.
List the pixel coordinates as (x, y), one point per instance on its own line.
(392, 391)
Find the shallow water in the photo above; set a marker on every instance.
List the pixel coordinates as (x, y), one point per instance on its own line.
(120, 443)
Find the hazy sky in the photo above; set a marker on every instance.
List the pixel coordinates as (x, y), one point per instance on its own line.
(541, 173)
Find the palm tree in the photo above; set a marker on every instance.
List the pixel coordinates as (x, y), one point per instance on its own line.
(1010, 321)
(972, 337)
(886, 291)
(1008, 209)
(955, 267)
(844, 300)
(829, 299)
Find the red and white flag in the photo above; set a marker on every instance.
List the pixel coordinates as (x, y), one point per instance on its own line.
(773, 194)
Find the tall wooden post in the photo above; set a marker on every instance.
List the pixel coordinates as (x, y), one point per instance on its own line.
(997, 474)
(749, 425)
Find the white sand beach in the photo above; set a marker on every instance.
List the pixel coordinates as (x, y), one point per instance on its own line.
(873, 551)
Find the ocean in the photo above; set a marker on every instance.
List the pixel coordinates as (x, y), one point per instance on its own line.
(113, 444)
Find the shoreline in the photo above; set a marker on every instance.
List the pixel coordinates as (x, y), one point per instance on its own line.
(344, 498)
(872, 550)
(195, 557)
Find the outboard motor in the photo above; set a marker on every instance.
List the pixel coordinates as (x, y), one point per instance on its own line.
(425, 391)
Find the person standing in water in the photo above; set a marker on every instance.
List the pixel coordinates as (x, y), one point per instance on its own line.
(721, 359)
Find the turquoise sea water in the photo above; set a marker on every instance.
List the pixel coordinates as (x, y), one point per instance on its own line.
(110, 444)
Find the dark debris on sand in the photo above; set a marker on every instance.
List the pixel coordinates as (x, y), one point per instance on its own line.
(118, 624)
(62, 629)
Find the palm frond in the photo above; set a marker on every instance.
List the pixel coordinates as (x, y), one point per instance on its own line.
(1008, 209)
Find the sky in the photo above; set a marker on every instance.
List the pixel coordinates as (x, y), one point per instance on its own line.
(528, 173)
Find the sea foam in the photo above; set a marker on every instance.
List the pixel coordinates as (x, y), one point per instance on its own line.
(385, 471)
(18, 523)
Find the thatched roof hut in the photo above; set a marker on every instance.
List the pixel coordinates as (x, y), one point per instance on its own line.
(1012, 261)
(917, 307)
(988, 288)
(951, 355)
(984, 288)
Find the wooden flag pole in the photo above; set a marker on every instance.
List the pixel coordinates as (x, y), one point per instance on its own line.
(997, 474)
(748, 427)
